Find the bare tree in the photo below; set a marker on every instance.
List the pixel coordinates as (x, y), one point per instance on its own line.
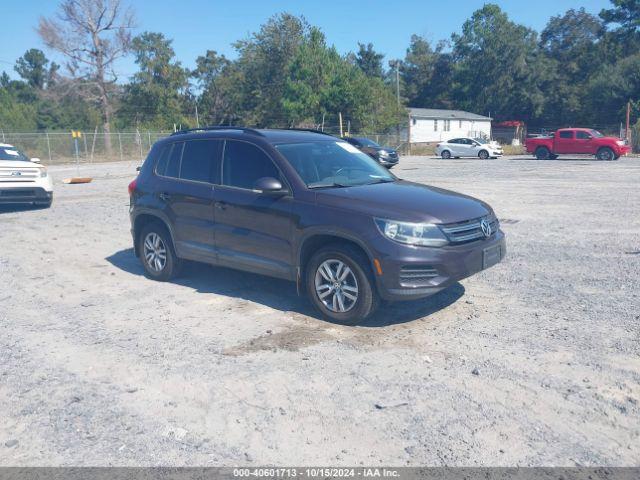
(92, 35)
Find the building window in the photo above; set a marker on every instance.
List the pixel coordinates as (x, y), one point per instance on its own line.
(447, 125)
(413, 121)
(435, 125)
(459, 123)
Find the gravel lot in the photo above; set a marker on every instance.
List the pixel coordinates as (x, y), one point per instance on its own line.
(533, 362)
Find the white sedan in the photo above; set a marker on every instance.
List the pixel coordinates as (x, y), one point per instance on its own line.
(469, 147)
(22, 179)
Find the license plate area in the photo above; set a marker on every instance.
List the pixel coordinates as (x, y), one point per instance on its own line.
(491, 256)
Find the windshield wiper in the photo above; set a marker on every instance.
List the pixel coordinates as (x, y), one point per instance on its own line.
(381, 180)
(327, 185)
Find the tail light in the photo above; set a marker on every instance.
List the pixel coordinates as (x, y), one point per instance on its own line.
(132, 186)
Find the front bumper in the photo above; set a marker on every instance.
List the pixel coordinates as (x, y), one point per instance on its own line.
(415, 272)
(25, 194)
(624, 150)
(387, 161)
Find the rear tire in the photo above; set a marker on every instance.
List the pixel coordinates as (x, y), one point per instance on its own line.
(543, 153)
(342, 276)
(605, 154)
(157, 254)
(446, 154)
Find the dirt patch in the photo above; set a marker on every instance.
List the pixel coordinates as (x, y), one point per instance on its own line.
(291, 339)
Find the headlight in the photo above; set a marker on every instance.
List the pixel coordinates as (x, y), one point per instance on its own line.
(424, 234)
(43, 172)
(621, 142)
(383, 153)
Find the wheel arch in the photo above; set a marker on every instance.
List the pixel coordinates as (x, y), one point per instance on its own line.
(143, 219)
(315, 240)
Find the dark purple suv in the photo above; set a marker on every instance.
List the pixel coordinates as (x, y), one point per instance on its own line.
(310, 208)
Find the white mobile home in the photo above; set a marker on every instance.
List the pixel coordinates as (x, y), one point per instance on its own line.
(427, 125)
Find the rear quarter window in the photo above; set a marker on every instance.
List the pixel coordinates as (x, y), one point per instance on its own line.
(173, 163)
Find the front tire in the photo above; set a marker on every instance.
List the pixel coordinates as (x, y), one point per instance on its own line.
(446, 155)
(483, 154)
(157, 254)
(605, 154)
(340, 284)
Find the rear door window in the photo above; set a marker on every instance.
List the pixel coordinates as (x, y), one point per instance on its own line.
(566, 134)
(201, 160)
(244, 163)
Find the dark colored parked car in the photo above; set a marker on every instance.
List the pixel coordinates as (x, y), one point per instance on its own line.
(309, 208)
(385, 156)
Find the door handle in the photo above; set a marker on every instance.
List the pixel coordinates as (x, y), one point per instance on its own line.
(221, 205)
(165, 196)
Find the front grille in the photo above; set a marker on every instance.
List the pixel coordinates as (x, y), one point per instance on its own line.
(19, 174)
(470, 230)
(417, 275)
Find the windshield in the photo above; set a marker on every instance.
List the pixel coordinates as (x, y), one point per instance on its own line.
(482, 141)
(333, 164)
(11, 153)
(596, 134)
(366, 142)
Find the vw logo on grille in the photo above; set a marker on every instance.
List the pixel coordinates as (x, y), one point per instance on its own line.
(485, 226)
(16, 174)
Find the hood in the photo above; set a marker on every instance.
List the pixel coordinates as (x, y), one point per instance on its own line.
(18, 164)
(405, 201)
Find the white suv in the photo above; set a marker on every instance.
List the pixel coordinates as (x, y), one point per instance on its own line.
(469, 147)
(22, 180)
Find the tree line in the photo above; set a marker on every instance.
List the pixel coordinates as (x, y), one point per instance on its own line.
(580, 69)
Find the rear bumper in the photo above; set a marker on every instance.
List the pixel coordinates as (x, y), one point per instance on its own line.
(417, 272)
(24, 194)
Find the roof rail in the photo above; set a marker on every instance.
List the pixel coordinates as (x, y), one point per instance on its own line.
(218, 127)
(313, 130)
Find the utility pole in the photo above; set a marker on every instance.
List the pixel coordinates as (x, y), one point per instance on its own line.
(628, 130)
(398, 99)
(340, 118)
(197, 118)
(398, 83)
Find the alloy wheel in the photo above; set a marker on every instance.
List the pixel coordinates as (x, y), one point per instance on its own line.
(336, 286)
(155, 252)
(605, 154)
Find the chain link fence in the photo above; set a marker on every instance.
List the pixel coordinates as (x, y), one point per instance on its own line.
(91, 146)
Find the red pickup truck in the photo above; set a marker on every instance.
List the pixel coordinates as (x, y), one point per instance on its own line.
(583, 141)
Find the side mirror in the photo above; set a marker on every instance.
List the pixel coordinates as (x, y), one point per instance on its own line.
(269, 186)
(35, 160)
